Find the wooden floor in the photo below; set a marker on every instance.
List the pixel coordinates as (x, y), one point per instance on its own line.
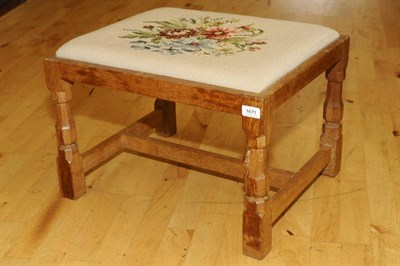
(138, 211)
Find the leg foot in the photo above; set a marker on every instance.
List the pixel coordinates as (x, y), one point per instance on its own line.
(257, 228)
(332, 137)
(70, 173)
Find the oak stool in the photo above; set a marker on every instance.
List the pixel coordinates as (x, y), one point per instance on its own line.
(242, 65)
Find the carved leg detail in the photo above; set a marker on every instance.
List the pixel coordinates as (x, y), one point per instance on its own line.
(257, 220)
(333, 112)
(69, 161)
(257, 228)
(332, 128)
(332, 137)
(168, 125)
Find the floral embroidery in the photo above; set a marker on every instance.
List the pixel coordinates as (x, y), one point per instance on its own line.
(202, 36)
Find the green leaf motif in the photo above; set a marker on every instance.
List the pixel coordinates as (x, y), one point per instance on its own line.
(202, 36)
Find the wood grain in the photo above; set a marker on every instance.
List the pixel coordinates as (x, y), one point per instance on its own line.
(167, 127)
(349, 219)
(258, 212)
(69, 160)
(257, 220)
(113, 145)
(299, 182)
(183, 91)
(333, 112)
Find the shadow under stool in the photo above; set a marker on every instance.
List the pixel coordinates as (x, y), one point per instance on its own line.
(243, 65)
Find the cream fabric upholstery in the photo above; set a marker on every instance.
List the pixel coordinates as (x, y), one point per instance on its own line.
(281, 47)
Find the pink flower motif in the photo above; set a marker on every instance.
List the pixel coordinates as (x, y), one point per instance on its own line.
(203, 36)
(217, 33)
(253, 49)
(248, 27)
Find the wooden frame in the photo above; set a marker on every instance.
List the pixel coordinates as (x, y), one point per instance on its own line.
(261, 209)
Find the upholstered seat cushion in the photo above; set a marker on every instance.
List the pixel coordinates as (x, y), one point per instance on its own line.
(239, 52)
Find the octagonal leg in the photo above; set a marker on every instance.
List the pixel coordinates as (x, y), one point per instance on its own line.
(333, 113)
(257, 221)
(69, 162)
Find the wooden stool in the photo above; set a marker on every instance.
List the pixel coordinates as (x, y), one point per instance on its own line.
(242, 65)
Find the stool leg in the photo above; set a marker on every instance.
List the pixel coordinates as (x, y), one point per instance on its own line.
(332, 128)
(257, 220)
(69, 161)
(333, 113)
(168, 124)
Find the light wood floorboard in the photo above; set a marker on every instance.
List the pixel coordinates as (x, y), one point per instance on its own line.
(139, 211)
